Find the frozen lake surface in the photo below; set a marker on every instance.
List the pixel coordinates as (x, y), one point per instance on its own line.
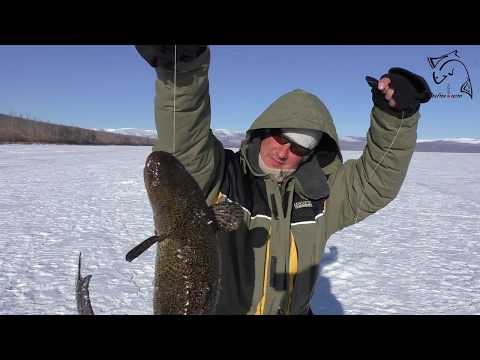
(419, 255)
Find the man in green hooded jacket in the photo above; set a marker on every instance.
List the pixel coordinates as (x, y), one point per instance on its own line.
(288, 176)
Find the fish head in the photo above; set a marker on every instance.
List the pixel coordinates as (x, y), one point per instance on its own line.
(161, 168)
(173, 193)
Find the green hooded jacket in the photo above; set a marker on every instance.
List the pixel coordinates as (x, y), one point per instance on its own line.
(271, 264)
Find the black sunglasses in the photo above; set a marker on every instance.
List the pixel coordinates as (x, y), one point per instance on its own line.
(295, 148)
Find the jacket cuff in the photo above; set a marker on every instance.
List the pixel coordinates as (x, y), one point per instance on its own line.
(399, 114)
(387, 118)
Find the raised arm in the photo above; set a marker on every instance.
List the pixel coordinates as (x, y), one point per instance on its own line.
(363, 186)
(186, 132)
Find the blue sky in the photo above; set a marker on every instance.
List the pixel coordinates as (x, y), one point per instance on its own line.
(106, 86)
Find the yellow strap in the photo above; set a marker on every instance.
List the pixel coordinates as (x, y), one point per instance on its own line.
(292, 270)
(220, 198)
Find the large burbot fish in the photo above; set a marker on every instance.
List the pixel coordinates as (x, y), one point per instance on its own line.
(188, 266)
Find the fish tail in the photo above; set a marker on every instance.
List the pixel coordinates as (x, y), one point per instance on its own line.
(84, 305)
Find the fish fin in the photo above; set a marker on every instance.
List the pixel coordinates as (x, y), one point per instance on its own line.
(143, 246)
(228, 215)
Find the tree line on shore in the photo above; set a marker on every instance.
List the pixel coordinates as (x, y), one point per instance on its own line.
(17, 129)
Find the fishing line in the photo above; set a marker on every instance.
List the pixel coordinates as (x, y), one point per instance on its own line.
(379, 163)
(174, 94)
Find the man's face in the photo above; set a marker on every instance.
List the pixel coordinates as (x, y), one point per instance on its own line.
(277, 154)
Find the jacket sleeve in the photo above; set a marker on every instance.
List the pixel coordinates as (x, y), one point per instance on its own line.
(186, 133)
(363, 186)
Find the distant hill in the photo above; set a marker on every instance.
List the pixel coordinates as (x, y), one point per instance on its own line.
(20, 130)
(229, 139)
(16, 129)
(460, 145)
(232, 139)
(152, 134)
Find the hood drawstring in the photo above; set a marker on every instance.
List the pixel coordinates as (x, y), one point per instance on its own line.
(243, 164)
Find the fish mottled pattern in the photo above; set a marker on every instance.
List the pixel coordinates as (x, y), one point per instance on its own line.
(187, 267)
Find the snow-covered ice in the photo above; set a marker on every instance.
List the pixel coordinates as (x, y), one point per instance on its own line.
(420, 255)
(59, 200)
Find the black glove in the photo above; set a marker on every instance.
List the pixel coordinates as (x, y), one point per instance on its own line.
(410, 91)
(162, 56)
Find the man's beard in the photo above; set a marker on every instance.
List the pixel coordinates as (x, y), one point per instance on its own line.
(278, 174)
